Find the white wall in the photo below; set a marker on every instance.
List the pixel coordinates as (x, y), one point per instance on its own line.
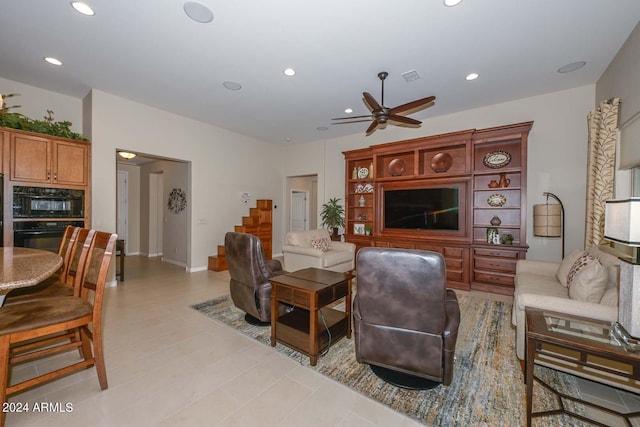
(556, 152)
(223, 165)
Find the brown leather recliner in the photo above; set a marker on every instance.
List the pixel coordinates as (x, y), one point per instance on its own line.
(405, 319)
(250, 272)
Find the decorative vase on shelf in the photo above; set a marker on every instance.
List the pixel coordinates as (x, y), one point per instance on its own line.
(495, 221)
(503, 182)
(362, 201)
(371, 170)
(492, 235)
(354, 173)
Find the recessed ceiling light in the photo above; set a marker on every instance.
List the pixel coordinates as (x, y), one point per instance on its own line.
(348, 110)
(289, 72)
(232, 85)
(53, 61)
(322, 128)
(198, 12)
(472, 76)
(572, 67)
(83, 8)
(451, 3)
(287, 140)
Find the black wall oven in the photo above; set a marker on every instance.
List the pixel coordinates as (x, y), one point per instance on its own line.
(42, 214)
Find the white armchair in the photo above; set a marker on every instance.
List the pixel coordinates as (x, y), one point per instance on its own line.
(314, 248)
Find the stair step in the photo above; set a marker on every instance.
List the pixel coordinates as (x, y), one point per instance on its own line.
(217, 263)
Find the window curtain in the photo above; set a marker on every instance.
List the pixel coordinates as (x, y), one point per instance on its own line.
(603, 123)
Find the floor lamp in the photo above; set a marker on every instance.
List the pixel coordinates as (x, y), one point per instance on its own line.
(548, 220)
(622, 225)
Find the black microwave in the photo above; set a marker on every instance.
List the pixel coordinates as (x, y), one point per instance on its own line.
(40, 202)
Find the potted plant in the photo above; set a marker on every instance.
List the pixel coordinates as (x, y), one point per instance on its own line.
(332, 215)
(367, 230)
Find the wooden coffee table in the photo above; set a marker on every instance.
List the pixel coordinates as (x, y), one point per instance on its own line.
(312, 326)
(579, 346)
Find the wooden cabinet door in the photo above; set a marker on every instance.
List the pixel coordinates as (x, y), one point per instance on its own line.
(70, 163)
(30, 159)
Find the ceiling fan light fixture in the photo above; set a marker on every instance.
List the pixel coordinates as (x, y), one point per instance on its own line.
(472, 76)
(126, 155)
(83, 8)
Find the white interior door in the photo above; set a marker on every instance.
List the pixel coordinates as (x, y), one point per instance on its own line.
(299, 210)
(122, 212)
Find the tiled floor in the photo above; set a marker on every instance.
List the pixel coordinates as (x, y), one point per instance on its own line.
(169, 365)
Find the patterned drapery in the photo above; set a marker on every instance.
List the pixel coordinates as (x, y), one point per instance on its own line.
(603, 123)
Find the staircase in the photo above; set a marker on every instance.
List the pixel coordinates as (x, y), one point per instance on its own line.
(259, 223)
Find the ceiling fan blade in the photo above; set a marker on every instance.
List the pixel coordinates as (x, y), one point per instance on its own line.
(404, 120)
(414, 106)
(370, 102)
(355, 121)
(372, 128)
(352, 117)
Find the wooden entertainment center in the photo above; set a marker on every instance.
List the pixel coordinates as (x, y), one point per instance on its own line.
(478, 180)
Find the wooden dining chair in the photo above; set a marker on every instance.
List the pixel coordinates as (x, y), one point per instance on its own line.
(61, 284)
(25, 328)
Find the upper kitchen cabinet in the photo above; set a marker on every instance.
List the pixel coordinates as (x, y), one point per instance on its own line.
(47, 160)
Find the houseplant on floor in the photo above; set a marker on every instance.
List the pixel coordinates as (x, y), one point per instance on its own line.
(332, 215)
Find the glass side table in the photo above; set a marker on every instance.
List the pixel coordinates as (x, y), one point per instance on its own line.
(584, 344)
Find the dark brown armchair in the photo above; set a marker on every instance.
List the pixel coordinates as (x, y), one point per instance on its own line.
(250, 272)
(405, 319)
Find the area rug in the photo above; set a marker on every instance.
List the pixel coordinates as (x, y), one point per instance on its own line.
(487, 387)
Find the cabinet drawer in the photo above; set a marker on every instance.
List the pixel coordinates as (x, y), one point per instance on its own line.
(495, 253)
(453, 252)
(454, 263)
(493, 279)
(495, 264)
(455, 275)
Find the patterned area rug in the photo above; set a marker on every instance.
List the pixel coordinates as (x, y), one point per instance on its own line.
(487, 387)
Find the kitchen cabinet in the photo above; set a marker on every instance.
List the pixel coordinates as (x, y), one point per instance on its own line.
(45, 160)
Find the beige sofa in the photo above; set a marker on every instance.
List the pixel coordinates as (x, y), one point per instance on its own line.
(593, 291)
(314, 248)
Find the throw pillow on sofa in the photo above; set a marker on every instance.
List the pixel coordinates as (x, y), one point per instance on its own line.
(587, 280)
(323, 244)
(566, 264)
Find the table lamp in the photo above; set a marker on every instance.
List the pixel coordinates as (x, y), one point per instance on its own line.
(622, 225)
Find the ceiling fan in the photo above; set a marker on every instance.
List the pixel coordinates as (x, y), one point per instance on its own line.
(381, 115)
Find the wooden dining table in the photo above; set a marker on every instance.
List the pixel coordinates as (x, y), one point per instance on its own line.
(24, 267)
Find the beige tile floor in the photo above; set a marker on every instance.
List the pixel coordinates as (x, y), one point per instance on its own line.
(169, 365)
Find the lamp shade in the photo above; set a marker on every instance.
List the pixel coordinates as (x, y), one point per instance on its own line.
(547, 220)
(622, 221)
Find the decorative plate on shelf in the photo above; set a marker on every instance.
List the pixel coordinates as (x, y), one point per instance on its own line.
(441, 162)
(496, 200)
(496, 159)
(396, 167)
(363, 172)
(359, 188)
(368, 188)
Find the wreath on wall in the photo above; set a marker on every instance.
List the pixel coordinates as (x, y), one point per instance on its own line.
(177, 200)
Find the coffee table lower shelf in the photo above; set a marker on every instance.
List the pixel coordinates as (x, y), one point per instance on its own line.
(292, 329)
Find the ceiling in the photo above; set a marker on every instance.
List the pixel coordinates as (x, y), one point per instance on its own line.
(151, 52)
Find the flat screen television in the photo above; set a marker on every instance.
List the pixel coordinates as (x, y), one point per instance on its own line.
(422, 208)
